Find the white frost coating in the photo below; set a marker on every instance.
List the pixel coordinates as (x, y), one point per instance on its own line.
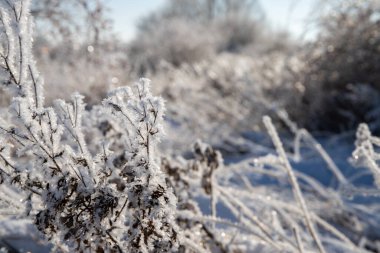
(150, 209)
(17, 58)
(297, 191)
(82, 199)
(92, 180)
(298, 240)
(365, 154)
(304, 134)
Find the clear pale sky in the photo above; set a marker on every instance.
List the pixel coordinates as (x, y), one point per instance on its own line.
(282, 14)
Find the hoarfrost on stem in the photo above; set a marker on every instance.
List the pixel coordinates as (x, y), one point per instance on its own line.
(365, 152)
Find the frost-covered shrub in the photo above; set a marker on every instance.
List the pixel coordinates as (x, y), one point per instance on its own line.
(341, 68)
(212, 99)
(175, 41)
(191, 31)
(219, 99)
(237, 32)
(80, 198)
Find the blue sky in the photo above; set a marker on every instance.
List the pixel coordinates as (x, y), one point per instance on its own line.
(281, 14)
(126, 13)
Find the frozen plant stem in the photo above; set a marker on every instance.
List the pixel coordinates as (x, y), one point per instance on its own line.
(293, 180)
(298, 240)
(303, 134)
